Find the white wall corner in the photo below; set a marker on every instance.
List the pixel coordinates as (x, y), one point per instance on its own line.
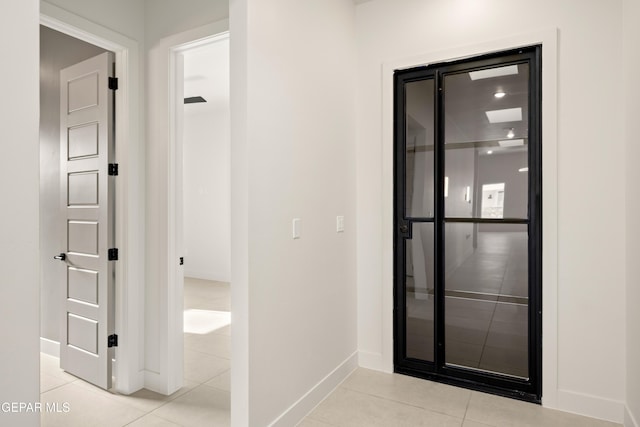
(375, 361)
(155, 382)
(629, 419)
(591, 406)
(296, 412)
(50, 347)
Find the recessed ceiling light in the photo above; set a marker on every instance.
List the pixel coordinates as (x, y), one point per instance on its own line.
(511, 134)
(511, 143)
(506, 115)
(499, 94)
(494, 72)
(526, 169)
(490, 152)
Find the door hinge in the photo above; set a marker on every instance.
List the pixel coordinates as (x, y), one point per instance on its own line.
(113, 169)
(112, 341)
(181, 260)
(113, 254)
(113, 83)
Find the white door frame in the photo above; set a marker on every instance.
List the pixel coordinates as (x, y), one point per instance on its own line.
(164, 240)
(129, 313)
(183, 42)
(176, 187)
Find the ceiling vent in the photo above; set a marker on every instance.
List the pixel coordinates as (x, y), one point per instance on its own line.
(194, 100)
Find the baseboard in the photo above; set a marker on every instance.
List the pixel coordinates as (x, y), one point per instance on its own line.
(50, 347)
(317, 394)
(375, 361)
(629, 420)
(155, 382)
(206, 275)
(591, 406)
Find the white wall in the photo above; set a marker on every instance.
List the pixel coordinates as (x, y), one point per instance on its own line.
(123, 16)
(206, 164)
(590, 326)
(57, 51)
(295, 83)
(168, 17)
(19, 164)
(631, 44)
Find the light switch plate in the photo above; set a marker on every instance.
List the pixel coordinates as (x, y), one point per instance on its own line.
(296, 228)
(340, 224)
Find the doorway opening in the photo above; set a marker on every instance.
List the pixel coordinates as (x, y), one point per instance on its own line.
(203, 133)
(467, 223)
(76, 217)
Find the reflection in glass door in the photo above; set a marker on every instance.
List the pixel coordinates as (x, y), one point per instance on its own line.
(467, 223)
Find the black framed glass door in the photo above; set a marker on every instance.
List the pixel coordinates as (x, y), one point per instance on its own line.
(467, 218)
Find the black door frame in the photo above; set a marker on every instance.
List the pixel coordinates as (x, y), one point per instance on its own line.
(531, 388)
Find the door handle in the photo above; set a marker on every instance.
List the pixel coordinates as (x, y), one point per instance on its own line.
(405, 229)
(61, 257)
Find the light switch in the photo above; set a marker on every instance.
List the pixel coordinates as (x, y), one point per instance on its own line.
(340, 224)
(296, 228)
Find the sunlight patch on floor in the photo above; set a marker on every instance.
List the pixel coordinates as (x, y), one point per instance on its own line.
(205, 321)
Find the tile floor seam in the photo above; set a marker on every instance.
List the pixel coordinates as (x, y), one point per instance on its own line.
(133, 421)
(208, 354)
(466, 408)
(153, 412)
(319, 420)
(55, 388)
(405, 403)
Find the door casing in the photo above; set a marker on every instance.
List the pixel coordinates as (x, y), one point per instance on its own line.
(129, 301)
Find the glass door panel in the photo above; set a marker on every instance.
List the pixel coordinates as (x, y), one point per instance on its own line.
(486, 302)
(420, 292)
(419, 183)
(489, 184)
(486, 143)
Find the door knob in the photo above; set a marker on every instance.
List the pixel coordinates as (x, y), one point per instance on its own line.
(404, 228)
(61, 257)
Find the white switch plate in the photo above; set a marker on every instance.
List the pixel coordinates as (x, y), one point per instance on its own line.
(340, 224)
(296, 228)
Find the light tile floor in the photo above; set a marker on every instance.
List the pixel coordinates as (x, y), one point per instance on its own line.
(370, 398)
(367, 398)
(203, 401)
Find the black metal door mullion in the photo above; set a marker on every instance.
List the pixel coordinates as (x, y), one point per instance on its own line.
(399, 215)
(439, 266)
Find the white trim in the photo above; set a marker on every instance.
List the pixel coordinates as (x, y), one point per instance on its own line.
(591, 406)
(629, 420)
(50, 347)
(155, 382)
(129, 230)
(308, 402)
(549, 40)
(163, 58)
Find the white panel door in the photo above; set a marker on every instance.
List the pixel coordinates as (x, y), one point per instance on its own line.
(87, 148)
